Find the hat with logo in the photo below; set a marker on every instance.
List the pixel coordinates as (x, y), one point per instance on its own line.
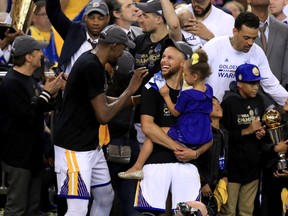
(25, 44)
(151, 6)
(248, 73)
(180, 45)
(114, 34)
(97, 6)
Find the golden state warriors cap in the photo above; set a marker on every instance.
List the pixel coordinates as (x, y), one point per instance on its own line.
(248, 73)
(97, 6)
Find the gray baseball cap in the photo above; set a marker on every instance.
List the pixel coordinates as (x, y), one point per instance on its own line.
(180, 45)
(151, 6)
(25, 44)
(114, 34)
(97, 6)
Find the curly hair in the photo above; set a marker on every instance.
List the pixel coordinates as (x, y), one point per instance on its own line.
(198, 64)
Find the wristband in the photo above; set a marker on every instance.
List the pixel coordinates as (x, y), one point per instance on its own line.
(45, 95)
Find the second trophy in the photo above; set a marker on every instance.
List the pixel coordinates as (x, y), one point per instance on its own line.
(275, 129)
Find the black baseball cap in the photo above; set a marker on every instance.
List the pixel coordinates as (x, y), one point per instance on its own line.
(180, 45)
(114, 34)
(97, 6)
(152, 6)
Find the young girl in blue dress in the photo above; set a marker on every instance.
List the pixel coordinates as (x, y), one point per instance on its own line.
(192, 109)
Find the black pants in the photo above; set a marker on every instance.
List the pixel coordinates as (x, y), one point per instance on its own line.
(23, 195)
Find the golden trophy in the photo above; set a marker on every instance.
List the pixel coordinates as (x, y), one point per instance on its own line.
(22, 11)
(272, 119)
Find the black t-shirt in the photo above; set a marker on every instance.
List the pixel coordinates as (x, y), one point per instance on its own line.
(77, 127)
(148, 54)
(153, 104)
(243, 151)
(21, 121)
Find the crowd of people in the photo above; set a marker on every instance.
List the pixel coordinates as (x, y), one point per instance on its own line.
(184, 83)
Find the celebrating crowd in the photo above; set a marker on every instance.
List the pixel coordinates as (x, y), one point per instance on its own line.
(196, 90)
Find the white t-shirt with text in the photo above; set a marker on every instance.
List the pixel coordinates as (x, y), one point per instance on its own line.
(224, 60)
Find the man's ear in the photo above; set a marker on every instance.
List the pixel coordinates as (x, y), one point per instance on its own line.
(235, 31)
(113, 46)
(28, 57)
(116, 14)
(85, 18)
(182, 64)
(159, 19)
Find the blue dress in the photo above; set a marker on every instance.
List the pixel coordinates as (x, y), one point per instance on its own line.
(193, 127)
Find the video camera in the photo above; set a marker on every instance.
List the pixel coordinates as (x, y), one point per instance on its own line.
(183, 209)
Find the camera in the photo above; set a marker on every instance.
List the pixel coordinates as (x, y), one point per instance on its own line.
(183, 209)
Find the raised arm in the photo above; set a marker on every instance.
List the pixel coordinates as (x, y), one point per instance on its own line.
(57, 17)
(172, 20)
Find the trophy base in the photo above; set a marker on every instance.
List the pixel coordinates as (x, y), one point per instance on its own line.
(282, 163)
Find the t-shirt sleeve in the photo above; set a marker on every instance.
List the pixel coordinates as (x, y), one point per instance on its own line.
(150, 97)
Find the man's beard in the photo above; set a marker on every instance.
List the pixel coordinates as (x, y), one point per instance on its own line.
(205, 11)
(168, 75)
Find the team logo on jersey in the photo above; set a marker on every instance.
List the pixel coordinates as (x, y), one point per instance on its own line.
(148, 59)
(158, 48)
(246, 118)
(166, 111)
(243, 119)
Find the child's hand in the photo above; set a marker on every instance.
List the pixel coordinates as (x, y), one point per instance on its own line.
(254, 126)
(286, 106)
(260, 133)
(164, 91)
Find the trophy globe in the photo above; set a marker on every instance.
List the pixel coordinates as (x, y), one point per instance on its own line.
(272, 119)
